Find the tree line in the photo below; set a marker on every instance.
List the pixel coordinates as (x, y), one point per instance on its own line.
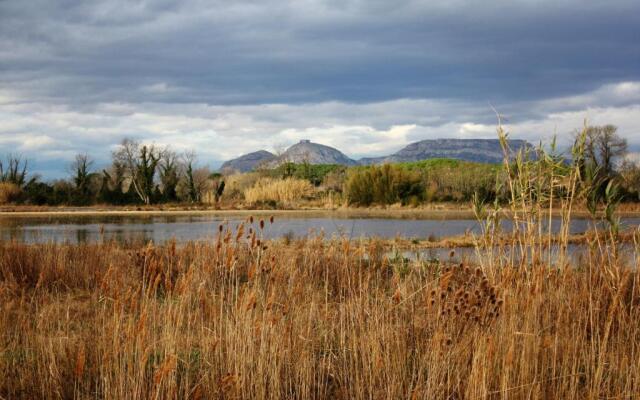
(138, 174)
(148, 174)
(603, 164)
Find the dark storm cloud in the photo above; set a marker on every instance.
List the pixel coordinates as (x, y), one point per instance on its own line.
(292, 52)
(228, 77)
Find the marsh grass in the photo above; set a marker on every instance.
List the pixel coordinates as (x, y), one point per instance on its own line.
(278, 190)
(244, 318)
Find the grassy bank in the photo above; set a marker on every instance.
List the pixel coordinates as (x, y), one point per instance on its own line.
(445, 211)
(240, 318)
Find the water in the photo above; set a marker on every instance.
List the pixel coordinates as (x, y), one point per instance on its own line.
(182, 228)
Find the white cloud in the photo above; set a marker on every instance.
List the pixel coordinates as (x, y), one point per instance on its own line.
(216, 133)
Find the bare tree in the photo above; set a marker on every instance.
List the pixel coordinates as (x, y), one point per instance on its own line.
(140, 163)
(604, 147)
(15, 170)
(195, 180)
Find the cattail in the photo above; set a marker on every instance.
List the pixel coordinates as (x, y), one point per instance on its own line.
(261, 224)
(220, 228)
(271, 219)
(478, 272)
(251, 303)
(240, 232)
(80, 361)
(251, 219)
(452, 253)
(397, 296)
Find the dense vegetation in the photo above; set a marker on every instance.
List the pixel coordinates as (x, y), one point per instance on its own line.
(414, 183)
(143, 174)
(244, 318)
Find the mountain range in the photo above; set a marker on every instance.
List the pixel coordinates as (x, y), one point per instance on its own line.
(478, 150)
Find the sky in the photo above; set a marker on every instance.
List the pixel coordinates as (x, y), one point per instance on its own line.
(224, 78)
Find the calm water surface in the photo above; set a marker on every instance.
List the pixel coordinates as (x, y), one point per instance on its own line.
(75, 229)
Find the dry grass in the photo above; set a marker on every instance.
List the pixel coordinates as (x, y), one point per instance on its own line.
(8, 192)
(278, 190)
(241, 318)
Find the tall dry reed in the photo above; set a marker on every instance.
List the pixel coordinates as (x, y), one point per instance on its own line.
(278, 190)
(244, 318)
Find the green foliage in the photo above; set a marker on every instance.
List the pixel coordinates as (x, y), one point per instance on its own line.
(193, 194)
(146, 170)
(427, 180)
(169, 176)
(314, 173)
(386, 184)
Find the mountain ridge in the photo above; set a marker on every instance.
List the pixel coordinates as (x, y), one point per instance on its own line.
(478, 150)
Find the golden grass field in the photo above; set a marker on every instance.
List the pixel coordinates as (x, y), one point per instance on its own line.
(238, 318)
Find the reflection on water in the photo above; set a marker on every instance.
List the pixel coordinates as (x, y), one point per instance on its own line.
(576, 254)
(81, 229)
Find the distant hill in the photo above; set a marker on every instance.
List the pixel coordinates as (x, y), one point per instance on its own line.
(313, 153)
(247, 162)
(478, 150)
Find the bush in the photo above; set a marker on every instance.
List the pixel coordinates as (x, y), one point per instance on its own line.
(279, 190)
(238, 183)
(9, 192)
(456, 180)
(386, 184)
(314, 173)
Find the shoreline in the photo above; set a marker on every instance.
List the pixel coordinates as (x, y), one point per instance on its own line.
(393, 213)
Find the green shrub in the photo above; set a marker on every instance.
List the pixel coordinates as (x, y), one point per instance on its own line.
(314, 173)
(386, 184)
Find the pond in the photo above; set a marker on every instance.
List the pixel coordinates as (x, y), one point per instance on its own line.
(182, 228)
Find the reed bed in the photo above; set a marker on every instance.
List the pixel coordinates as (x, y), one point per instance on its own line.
(312, 319)
(239, 317)
(278, 190)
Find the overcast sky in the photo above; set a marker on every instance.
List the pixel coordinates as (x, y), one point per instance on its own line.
(229, 77)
